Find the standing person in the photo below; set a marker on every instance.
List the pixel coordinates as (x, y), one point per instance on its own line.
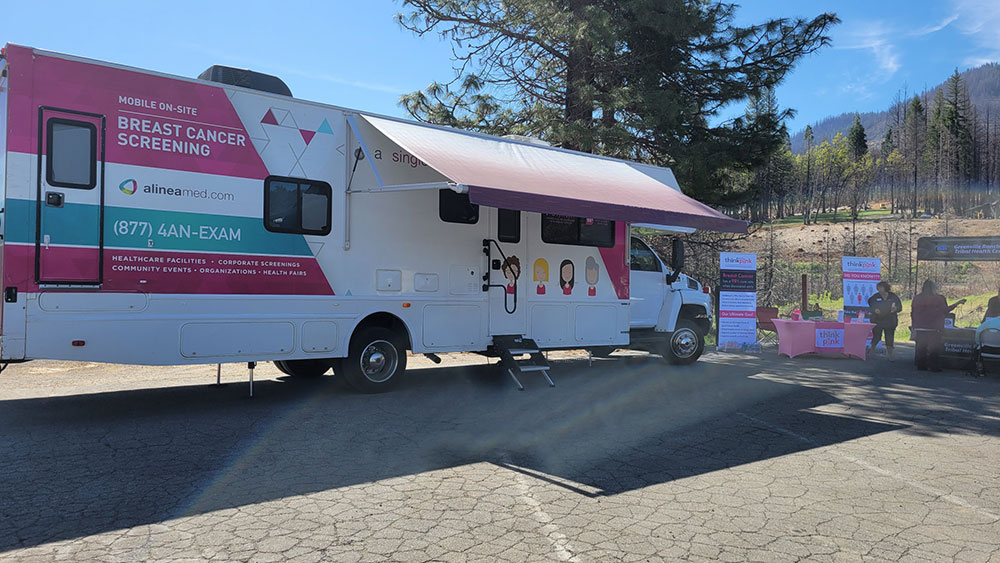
(885, 307)
(929, 311)
(993, 306)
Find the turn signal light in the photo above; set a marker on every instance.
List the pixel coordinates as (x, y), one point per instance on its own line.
(79, 343)
(406, 305)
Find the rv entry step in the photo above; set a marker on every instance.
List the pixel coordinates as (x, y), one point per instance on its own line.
(512, 350)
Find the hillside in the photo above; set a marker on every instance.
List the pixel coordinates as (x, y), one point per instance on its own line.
(983, 83)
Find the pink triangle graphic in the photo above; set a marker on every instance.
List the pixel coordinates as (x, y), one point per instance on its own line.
(269, 118)
(307, 135)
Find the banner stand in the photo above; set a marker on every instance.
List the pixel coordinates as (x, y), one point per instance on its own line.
(737, 302)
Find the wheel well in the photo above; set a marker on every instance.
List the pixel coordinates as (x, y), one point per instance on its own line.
(698, 315)
(385, 320)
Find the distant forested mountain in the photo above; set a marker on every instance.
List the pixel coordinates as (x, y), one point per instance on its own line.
(983, 84)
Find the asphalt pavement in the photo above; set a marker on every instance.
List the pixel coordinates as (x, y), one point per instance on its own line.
(736, 458)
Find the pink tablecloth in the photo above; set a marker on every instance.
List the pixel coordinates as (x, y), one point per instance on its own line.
(822, 337)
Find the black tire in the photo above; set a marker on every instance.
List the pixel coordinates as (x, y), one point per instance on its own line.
(303, 368)
(602, 351)
(376, 360)
(685, 344)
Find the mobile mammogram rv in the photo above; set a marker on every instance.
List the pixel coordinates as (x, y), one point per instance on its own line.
(155, 219)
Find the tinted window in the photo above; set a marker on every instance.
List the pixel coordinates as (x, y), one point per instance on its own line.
(561, 229)
(597, 232)
(297, 206)
(454, 207)
(642, 258)
(71, 154)
(508, 225)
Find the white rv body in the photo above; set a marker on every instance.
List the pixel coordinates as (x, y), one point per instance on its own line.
(213, 223)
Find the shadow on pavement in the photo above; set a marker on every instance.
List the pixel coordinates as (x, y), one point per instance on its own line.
(81, 465)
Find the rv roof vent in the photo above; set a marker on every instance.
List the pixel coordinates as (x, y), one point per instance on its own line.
(527, 139)
(246, 79)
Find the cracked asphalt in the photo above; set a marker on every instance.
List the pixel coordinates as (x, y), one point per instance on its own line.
(736, 458)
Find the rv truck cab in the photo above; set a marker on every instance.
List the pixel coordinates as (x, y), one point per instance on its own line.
(670, 312)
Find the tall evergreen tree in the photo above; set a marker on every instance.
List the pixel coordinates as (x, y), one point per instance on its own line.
(642, 79)
(856, 139)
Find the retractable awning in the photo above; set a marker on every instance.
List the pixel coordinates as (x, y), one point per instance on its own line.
(520, 175)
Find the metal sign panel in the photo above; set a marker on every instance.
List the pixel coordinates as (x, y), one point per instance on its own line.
(959, 249)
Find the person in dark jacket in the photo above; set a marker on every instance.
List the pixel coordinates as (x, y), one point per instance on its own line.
(929, 311)
(884, 307)
(993, 307)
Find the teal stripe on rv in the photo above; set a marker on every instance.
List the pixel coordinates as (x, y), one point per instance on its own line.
(128, 227)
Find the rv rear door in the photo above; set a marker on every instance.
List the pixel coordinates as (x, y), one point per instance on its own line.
(70, 198)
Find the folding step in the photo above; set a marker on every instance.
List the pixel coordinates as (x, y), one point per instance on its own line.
(509, 346)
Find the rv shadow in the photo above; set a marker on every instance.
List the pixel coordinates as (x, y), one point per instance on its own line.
(81, 465)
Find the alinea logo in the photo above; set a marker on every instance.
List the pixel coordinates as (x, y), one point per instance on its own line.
(128, 187)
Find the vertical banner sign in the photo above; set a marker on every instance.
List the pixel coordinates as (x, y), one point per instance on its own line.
(861, 275)
(737, 299)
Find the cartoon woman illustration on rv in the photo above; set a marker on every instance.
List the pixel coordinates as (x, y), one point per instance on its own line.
(591, 272)
(511, 270)
(541, 270)
(566, 272)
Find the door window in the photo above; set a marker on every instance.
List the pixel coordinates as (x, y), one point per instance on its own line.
(71, 154)
(508, 225)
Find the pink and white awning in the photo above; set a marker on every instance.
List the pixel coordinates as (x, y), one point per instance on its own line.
(514, 174)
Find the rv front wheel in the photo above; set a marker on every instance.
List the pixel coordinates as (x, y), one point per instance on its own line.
(685, 344)
(376, 360)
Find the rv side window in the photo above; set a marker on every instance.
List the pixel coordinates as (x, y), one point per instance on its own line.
(642, 258)
(508, 225)
(560, 229)
(297, 206)
(454, 207)
(71, 154)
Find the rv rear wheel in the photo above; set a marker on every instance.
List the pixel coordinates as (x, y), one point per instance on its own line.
(376, 360)
(303, 368)
(685, 344)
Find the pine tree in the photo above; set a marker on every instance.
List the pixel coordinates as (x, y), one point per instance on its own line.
(856, 139)
(641, 79)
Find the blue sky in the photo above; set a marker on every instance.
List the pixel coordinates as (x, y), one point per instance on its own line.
(353, 54)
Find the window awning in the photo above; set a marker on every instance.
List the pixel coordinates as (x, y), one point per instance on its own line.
(520, 175)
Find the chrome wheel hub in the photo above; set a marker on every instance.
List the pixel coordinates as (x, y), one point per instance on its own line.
(379, 361)
(684, 343)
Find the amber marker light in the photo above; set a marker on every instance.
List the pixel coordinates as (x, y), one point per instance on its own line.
(406, 305)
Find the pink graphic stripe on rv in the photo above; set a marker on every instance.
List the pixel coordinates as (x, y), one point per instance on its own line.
(136, 105)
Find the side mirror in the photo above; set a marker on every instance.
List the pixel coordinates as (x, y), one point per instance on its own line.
(677, 255)
(676, 260)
